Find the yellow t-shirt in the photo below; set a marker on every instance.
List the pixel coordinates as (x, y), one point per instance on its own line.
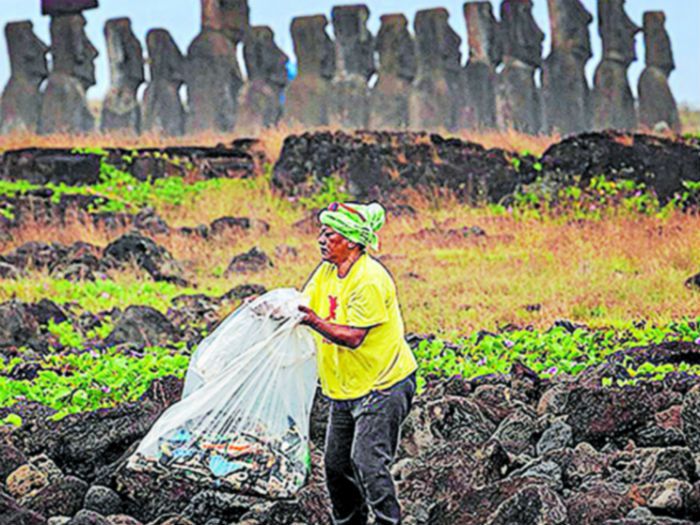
(365, 297)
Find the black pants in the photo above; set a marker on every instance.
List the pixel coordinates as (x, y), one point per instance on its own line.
(361, 442)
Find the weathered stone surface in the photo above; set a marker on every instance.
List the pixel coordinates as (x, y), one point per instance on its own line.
(657, 106)
(18, 326)
(154, 259)
(64, 106)
(555, 437)
(531, 505)
(254, 260)
(11, 511)
(66, 7)
(162, 110)
(26, 480)
(260, 100)
(381, 164)
(214, 79)
(437, 95)
(597, 415)
(659, 163)
(143, 326)
(517, 432)
(613, 103)
(120, 109)
(598, 503)
(518, 98)
(61, 497)
(307, 98)
(354, 65)
(397, 69)
(485, 53)
(88, 517)
(12, 459)
(103, 500)
(83, 444)
(122, 519)
(565, 91)
(21, 100)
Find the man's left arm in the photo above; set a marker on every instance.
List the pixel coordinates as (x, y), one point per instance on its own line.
(342, 335)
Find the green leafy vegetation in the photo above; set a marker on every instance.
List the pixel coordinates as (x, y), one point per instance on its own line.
(72, 383)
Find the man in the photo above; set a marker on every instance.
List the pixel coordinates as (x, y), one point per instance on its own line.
(365, 366)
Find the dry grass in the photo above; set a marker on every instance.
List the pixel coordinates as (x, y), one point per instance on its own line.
(271, 140)
(607, 272)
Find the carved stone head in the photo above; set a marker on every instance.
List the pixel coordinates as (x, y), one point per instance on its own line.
(395, 46)
(166, 60)
(437, 44)
(125, 53)
(263, 59)
(312, 46)
(66, 7)
(570, 20)
(229, 16)
(353, 42)
(27, 52)
(657, 42)
(522, 37)
(617, 31)
(484, 35)
(73, 54)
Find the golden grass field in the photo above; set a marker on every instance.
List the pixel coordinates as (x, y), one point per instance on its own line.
(612, 271)
(608, 272)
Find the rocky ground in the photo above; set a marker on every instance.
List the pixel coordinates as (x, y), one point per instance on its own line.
(494, 450)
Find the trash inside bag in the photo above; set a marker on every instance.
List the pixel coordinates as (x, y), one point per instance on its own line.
(243, 421)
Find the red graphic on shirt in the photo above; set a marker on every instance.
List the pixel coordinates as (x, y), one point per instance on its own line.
(332, 309)
(333, 301)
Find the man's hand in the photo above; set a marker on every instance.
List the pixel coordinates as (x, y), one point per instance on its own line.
(310, 317)
(342, 335)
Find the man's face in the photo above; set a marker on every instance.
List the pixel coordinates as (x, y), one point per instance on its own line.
(334, 247)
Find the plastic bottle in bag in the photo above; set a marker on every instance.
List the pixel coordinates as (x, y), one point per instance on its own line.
(243, 421)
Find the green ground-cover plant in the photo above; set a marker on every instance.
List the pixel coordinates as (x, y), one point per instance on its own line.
(73, 383)
(78, 382)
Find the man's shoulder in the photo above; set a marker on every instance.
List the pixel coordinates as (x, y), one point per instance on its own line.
(376, 271)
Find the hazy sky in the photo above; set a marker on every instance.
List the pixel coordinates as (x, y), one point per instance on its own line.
(182, 19)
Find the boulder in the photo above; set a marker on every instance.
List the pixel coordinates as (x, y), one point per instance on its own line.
(61, 497)
(88, 517)
(103, 500)
(598, 503)
(12, 459)
(147, 255)
(12, 513)
(143, 326)
(251, 261)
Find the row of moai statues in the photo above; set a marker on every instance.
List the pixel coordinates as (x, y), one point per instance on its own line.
(420, 81)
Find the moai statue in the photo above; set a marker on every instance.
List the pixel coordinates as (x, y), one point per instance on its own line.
(437, 94)
(214, 76)
(518, 98)
(656, 102)
(354, 65)
(397, 69)
(485, 53)
(120, 110)
(565, 90)
(21, 99)
(613, 103)
(307, 98)
(64, 107)
(260, 101)
(162, 110)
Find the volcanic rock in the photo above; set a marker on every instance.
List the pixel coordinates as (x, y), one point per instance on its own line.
(61, 497)
(143, 326)
(103, 500)
(254, 260)
(88, 517)
(11, 511)
(149, 256)
(242, 291)
(18, 326)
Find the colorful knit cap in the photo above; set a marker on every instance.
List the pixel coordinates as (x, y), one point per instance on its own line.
(356, 222)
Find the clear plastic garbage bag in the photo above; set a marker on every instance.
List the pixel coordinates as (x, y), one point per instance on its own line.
(243, 421)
